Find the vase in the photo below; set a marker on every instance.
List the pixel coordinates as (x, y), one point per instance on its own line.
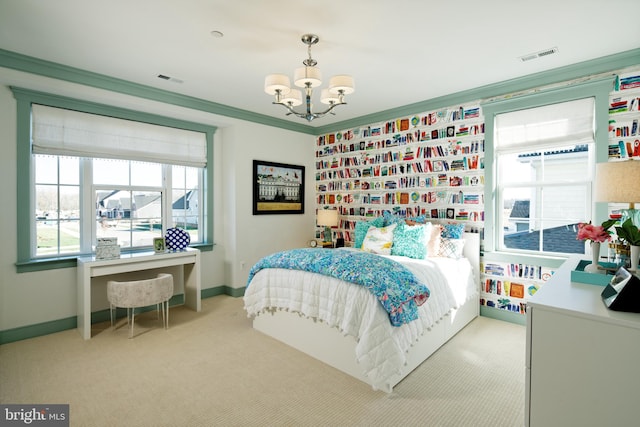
(634, 253)
(595, 254)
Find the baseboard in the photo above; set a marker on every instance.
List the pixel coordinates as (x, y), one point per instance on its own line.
(507, 316)
(46, 328)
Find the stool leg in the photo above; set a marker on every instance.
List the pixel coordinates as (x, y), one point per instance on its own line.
(133, 321)
(111, 313)
(167, 303)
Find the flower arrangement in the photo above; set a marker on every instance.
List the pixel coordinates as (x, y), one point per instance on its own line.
(595, 233)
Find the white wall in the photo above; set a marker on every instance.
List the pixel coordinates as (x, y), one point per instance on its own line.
(240, 238)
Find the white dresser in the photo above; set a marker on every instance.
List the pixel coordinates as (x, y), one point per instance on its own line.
(583, 360)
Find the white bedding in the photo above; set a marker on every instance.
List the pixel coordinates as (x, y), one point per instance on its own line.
(381, 348)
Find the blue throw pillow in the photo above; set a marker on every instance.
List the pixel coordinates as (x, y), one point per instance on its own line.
(452, 231)
(410, 240)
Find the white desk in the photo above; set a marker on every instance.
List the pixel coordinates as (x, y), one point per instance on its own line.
(583, 360)
(89, 267)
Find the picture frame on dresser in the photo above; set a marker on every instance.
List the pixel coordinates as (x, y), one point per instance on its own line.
(278, 188)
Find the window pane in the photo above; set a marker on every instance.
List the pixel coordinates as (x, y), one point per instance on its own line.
(133, 217)
(192, 177)
(47, 201)
(185, 209)
(46, 169)
(110, 172)
(69, 170)
(178, 176)
(146, 174)
(518, 168)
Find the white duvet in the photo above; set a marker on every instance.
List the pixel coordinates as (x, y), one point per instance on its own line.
(380, 347)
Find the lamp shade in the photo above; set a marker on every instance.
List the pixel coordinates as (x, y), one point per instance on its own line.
(304, 75)
(293, 98)
(342, 83)
(617, 182)
(327, 97)
(275, 82)
(328, 217)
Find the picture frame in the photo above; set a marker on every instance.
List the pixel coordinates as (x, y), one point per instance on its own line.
(278, 188)
(159, 245)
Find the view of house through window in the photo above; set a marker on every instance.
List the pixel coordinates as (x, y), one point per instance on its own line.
(128, 202)
(544, 160)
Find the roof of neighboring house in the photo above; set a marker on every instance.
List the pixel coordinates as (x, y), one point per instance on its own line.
(576, 149)
(183, 202)
(558, 239)
(520, 209)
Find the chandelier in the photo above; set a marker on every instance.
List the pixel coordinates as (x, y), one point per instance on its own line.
(308, 77)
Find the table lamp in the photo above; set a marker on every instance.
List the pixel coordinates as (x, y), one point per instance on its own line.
(619, 182)
(327, 218)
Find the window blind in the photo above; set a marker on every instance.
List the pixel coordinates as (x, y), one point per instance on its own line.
(547, 126)
(66, 132)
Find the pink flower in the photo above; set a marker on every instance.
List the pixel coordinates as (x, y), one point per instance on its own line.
(594, 233)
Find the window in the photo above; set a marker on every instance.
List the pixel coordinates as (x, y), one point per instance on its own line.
(105, 172)
(540, 155)
(544, 159)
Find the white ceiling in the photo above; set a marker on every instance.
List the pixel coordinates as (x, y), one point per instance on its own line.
(399, 51)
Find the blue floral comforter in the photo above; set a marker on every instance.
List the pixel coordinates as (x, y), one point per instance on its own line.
(395, 286)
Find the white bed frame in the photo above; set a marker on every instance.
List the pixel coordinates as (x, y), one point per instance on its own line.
(329, 346)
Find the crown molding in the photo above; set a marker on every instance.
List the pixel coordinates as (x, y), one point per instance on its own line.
(41, 67)
(58, 71)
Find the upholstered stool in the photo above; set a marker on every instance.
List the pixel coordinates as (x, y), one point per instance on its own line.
(141, 293)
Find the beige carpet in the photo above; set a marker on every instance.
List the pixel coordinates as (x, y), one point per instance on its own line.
(212, 369)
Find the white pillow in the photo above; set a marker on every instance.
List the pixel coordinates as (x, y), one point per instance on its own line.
(379, 240)
(451, 248)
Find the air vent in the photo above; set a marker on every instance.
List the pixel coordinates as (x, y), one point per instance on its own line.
(169, 78)
(540, 54)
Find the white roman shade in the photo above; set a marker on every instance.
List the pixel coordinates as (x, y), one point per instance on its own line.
(71, 133)
(547, 126)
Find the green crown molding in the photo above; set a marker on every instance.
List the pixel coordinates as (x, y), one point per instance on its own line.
(41, 67)
(557, 75)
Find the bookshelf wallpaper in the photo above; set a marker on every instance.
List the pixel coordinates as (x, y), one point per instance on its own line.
(429, 164)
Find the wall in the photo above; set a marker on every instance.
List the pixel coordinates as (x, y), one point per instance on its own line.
(29, 299)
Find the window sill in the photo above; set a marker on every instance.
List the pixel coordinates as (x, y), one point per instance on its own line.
(42, 264)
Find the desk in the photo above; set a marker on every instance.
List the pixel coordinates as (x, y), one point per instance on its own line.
(89, 267)
(582, 358)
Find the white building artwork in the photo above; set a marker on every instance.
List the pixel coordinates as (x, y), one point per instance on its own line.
(278, 184)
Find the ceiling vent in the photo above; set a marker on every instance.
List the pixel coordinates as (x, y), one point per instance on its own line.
(540, 54)
(171, 79)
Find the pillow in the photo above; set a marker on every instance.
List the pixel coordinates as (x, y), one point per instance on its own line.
(433, 244)
(379, 240)
(361, 229)
(451, 248)
(453, 231)
(411, 240)
(419, 219)
(390, 218)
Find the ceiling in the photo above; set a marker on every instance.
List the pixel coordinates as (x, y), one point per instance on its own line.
(399, 52)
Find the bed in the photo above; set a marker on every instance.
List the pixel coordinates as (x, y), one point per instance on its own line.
(345, 325)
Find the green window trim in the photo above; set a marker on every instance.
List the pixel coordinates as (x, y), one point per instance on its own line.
(597, 88)
(24, 99)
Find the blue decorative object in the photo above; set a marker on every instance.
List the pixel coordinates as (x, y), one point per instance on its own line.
(177, 239)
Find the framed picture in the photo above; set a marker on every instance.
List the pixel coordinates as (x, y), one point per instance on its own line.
(278, 188)
(158, 245)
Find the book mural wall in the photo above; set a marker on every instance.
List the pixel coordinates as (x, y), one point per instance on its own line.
(430, 164)
(624, 113)
(507, 286)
